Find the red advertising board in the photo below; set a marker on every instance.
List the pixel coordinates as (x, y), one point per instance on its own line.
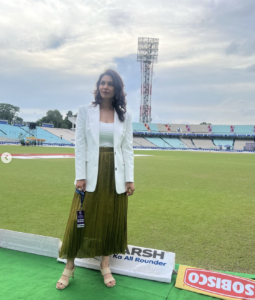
(215, 284)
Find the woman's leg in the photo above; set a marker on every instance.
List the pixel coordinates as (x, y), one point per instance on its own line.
(105, 264)
(69, 266)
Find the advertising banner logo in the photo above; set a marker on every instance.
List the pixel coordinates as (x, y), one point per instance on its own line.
(215, 284)
(152, 264)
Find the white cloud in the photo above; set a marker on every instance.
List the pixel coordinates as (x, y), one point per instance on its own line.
(51, 53)
(227, 112)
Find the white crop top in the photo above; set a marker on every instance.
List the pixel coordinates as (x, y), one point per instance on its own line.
(106, 134)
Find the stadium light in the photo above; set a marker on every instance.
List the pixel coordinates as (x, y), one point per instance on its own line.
(147, 54)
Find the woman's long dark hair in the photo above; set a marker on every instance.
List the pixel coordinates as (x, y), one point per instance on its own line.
(119, 101)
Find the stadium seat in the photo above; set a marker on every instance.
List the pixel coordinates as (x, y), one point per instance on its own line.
(140, 141)
(15, 133)
(174, 142)
(139, 127)
(158, 142)
(223, 142)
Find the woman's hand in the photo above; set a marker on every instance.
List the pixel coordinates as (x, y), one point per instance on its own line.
(81, 184)
(130, 188)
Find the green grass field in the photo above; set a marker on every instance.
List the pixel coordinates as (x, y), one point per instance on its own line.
(199, 205)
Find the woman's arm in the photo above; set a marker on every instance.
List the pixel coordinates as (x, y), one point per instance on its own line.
(80, 145)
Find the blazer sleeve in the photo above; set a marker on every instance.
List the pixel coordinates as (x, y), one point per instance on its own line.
(127, 150)
(80, 144)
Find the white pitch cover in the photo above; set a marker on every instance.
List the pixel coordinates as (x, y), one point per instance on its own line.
(30, 243)
(138, 262)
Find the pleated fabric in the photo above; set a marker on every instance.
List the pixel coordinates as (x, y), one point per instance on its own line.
(105, 211)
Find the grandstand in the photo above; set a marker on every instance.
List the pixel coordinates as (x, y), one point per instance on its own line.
(240, 144)
(142, 142)
(5, 139)
(193, 128)
(222, 129)
(204, 143)
(153, 127)
(11, 133)
(223, 142)
(158, 142)
(66, 134)
(162, 128)
(174, 142)
(180, 136)
(244, 129)
(199, 129)
(50, 138)
(149, 135)
(187, 142)
(139, 127)
(174, 127)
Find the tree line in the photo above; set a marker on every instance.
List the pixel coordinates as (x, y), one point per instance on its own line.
(10, 112)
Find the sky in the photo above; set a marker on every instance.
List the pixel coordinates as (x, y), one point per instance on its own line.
(53, 51)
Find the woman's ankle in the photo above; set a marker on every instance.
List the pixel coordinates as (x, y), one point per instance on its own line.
(105, 261)
(70, 264)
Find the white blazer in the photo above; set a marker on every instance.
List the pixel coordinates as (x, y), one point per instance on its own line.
(87, 148)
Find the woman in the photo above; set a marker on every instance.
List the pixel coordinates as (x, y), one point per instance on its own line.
(104, 167)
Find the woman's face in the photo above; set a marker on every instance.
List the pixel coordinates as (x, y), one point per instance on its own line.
(106, 87)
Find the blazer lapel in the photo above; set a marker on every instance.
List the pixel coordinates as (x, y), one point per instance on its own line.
(94, 119)
(118, 129)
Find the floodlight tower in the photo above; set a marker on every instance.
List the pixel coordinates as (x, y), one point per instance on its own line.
(147, 54)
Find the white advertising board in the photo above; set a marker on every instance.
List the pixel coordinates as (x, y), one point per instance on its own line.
(30, 243)
(137, 262)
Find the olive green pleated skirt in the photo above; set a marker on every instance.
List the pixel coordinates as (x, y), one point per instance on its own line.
(105, 211)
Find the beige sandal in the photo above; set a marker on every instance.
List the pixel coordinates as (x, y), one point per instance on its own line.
(104, 272)
(68, 273)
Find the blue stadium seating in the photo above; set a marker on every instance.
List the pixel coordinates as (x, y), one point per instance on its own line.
(238, 129)
(139, 127)
(221, 129)
(49, 137)
(13, 132)
(223, 142)
(153, 127)
(244, 129)
(174, 142)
